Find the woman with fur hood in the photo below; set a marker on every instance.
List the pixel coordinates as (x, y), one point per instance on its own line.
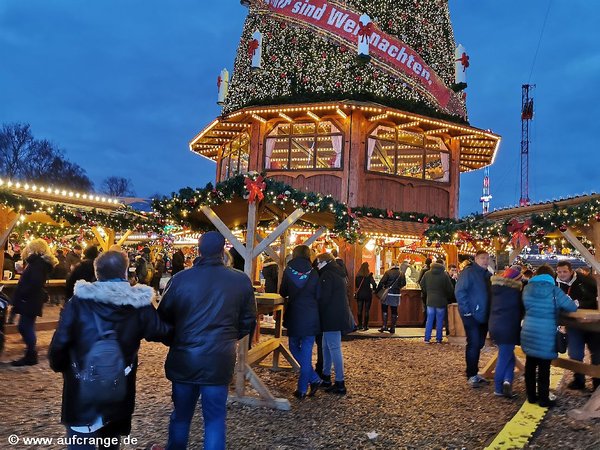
(109, 305)
(506, 313)
(30, 295)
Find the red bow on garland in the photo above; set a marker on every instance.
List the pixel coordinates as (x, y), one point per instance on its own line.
(464, 60)
(366, 31)
(252, 47)
(463, 235)
(351, 214)
(517, 229)
(255, 189)
(390, 214)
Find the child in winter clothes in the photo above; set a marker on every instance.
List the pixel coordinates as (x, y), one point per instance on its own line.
(543, 302)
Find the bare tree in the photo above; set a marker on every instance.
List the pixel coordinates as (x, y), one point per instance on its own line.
(24, 157)
(118, 187)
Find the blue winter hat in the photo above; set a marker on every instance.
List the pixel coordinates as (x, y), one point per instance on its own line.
(211, 243)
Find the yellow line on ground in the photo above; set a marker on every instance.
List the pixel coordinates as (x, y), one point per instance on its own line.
(519, 430)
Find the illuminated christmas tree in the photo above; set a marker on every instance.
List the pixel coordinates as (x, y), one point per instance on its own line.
(307, 51)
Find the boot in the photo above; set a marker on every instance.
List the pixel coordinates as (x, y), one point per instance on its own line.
(366, 324)
(393, 324)
(326, 381)
(384, 327)
(30, 359)
(338, 388)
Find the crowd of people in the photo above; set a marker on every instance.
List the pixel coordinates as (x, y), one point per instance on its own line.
(207, 308)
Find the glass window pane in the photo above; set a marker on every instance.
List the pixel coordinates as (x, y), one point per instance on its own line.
(437, 166)
(327, 128)
(410, 161)
(329, 151)
(277, 152)
(382, 156)
(304, 128)
(303, 152)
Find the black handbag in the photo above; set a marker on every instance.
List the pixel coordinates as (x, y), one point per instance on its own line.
(561, 338)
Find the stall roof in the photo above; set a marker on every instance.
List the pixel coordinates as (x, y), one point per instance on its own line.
(478, 147)
(524, 212)
(393, 228)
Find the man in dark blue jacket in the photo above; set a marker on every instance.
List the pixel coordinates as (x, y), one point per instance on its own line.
(211, 307)
(473, 296)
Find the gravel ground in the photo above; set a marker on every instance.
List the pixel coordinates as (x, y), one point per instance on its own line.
(411, 395)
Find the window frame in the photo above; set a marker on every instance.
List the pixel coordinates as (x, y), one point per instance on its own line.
(226, 156)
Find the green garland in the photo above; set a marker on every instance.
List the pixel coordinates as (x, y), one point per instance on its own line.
(121, 219)
(178, 208)
(477, 227)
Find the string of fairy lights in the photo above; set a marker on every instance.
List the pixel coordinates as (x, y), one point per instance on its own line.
(301, 64)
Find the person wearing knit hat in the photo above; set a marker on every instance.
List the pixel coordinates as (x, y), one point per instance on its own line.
(506, 312)
(211, 306)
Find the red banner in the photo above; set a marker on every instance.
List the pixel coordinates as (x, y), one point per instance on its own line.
(344, 23)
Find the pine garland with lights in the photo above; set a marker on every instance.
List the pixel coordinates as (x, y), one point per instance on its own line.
(477, 227)
(301, 65)
(121, 219)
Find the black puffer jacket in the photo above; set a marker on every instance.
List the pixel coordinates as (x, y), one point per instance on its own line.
(30, 295)
(271, 273)
(582, 289)
(82, 271)
(300, 285)
(210, 307)
(120, 307)
(334, 310)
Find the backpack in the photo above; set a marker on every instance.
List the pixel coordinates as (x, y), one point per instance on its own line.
(102, 374)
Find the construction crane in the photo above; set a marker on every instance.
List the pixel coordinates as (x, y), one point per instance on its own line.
(526, 118)
(487, 196)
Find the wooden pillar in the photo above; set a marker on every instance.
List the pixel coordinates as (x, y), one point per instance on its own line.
(353, 184)
(8, 220)
(454, 177)
(451, 254)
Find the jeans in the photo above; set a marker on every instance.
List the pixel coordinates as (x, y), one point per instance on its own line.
(366, 307)
(577, 341)
(214, 410)
(301, 348)
(542, 367)
(82, 441)
(476, 333)
(332, 353)
(319, 364)
(505, 367)
(27, 329)
(438, 315)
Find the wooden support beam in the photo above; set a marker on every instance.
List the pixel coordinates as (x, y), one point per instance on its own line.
(262, 350)
(577, 367)
(591, 410)
(281, 228)
(589, 258)
(222, 228)
(9, 227)
(101, 240)
(249, 255)
(516, 252)
(311, 240)
(124, 237)
(269, 251)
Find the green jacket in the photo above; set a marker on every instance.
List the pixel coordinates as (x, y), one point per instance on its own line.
(437, 286)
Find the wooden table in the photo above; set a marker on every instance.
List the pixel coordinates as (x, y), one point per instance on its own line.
(266, 304)
(56, 289)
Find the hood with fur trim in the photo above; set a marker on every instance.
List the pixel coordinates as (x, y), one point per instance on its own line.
(119, 293)
(508, 282)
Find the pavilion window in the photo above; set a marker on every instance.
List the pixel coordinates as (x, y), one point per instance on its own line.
(236, 157)
(304, 146)
(408, 154)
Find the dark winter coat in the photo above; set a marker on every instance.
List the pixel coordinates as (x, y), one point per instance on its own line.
(582, 289)
(342, 264)
(473, 292)
(506, 311)
(389, 280)
(126, 310)
(539, 327)
(271, 273)
(60, 271)
(30, 295)
(424, 270)
(365, 287)
(300, 285)
(334, 310)
(82, 271)
(72, 260)
(437, 286)
(210, 307)
(178, 262)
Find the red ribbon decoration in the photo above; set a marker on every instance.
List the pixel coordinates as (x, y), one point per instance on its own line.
(463, 235)
(351, 214)
(219, 81)
(366, 30)
(252, 47)
(464, 60)
(390, 214)
(517, 229)
(255, 189)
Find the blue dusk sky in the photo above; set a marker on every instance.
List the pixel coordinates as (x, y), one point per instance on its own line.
(123, 85)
